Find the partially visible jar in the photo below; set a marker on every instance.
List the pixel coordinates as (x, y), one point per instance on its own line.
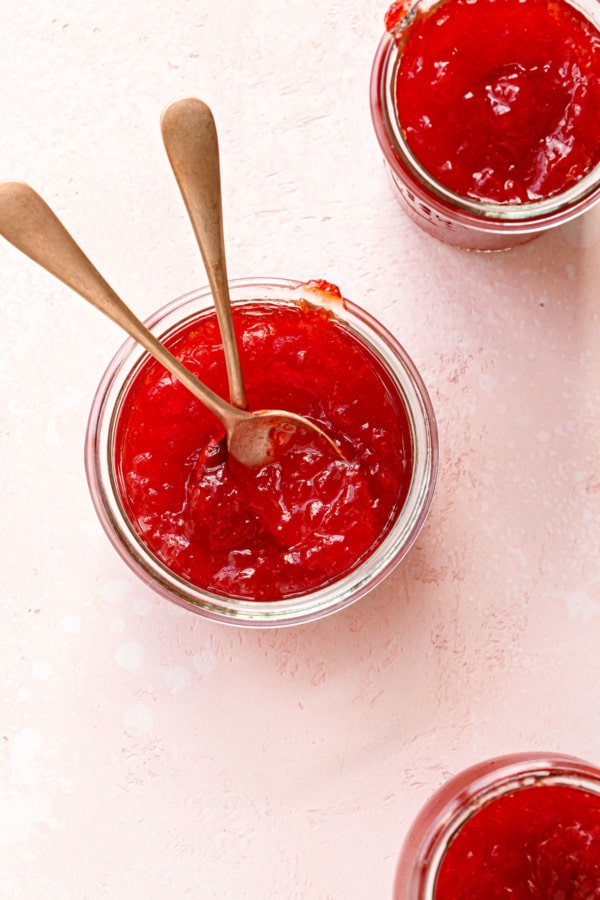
(479, 791)
(463, 221)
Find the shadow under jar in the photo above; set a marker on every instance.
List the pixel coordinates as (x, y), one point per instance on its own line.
(304, 535)
(488, 115)
(524, 826)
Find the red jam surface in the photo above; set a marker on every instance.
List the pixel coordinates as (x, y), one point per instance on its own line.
(500, 99)
(538, 843)
(298, 522)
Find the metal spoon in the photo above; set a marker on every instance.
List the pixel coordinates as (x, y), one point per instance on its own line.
(28, 222)
(190, 139)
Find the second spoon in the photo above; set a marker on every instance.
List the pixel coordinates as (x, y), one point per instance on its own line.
(190, 138)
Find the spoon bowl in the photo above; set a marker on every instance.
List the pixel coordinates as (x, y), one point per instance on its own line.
(27, 222)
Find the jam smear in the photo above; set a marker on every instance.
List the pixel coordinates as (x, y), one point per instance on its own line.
(324, 287)
(537, 843)
(298, 522)
(396, 12)
(499, 100)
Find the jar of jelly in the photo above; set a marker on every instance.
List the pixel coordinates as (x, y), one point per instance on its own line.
(487, 113)
(304, 535)
(525, 826)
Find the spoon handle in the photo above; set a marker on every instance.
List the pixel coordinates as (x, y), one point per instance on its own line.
(28, 223)
(190, 139)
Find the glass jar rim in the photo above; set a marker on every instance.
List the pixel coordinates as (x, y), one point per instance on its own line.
(331, 597)
(536, 214)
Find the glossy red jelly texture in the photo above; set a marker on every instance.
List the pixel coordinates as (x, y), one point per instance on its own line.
(538, 843)
(297, 523)
(499, 100)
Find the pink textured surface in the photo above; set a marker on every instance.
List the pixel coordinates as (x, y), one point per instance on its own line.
(146, 752)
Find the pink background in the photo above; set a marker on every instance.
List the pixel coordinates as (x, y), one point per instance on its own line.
(145, 752)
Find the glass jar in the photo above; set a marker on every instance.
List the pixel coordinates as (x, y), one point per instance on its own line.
(463, 796)
(461, 221)
(100, 455)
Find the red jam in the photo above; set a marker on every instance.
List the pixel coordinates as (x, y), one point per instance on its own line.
(500, 99)
(298, 522)
(537, 843)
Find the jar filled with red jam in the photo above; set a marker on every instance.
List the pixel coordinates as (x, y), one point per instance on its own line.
(524, 826)
(488, 115)
(308, 532)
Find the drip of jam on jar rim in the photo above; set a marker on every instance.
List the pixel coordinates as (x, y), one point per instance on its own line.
(499, 100)
(299, 522)
(536, 843)
(396, 13)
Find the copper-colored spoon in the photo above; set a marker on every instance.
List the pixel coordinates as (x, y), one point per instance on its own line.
(253, 438)
(190, 138)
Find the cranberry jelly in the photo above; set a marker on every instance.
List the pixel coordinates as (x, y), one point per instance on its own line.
(298, 522)
(500, 99)
(488, 113)
(529, 844)
(523, 826)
